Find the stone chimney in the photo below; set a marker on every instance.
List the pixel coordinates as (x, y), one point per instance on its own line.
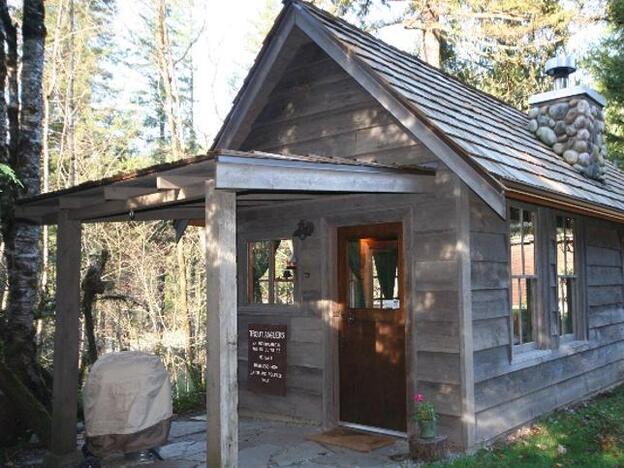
(570, 120)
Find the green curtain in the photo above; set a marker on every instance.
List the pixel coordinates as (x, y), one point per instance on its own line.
(260, 258)
(355, 265)
(386, 262)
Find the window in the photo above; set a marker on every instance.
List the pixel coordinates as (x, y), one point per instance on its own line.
(271, 272)
(566, 274)
(523, 274)
(373, 273)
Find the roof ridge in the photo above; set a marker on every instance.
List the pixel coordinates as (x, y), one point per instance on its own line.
(308, 4)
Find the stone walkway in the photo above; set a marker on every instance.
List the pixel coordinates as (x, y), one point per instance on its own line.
(275, 444)
(261, 444)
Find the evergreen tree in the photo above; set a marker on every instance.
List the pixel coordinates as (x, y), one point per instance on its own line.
(499, 46)
(607, 63)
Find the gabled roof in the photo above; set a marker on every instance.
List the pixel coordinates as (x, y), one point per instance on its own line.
(471, 129)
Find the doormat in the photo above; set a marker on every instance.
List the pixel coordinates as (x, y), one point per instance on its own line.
(347, 438)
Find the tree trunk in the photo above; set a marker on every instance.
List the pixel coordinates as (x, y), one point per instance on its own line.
(183, 302)
(70, 107)
(170, 87)
(92, 285)
(22, 240)
(34, 414)
(430, 44)
(45, 139)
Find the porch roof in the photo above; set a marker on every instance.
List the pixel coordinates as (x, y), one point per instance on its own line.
(176, 190)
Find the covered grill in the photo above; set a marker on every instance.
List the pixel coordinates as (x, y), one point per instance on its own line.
(127, 404)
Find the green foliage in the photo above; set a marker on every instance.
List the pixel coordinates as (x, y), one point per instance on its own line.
(607, 64)
(591, 434)
(7, 175)
(189, 392)
(499, 46)
(424, 412)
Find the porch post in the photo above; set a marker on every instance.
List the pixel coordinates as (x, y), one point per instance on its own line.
(66, 342)
(221, 335)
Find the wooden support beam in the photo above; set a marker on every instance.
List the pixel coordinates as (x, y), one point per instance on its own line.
(221, 333)
(161, 214)
(177, 182)
(72, 202)
(234, 173)
(66, 342)
(123, 193)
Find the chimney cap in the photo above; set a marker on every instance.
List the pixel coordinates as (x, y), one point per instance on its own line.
(538, 99)
(561, 66)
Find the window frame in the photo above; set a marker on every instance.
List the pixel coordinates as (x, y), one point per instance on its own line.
(537, 278)
(248, 295)
(545, 294)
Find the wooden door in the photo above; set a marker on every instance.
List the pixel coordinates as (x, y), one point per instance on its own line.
(372, 329)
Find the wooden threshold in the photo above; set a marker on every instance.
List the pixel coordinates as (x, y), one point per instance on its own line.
(373, 430)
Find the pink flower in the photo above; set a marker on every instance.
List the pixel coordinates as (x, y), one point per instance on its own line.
(419, 397)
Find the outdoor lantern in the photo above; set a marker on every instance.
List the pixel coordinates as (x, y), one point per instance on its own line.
(304, 229)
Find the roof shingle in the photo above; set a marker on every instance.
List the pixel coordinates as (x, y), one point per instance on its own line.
(490, 131)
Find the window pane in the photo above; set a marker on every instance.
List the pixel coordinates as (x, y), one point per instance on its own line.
(357, 300)
(565, 246)
(515, 241)
(565, 305)
(284, 276)
(272, 276)
(260, 257)
(527, 316)
(522, 257)
(283, 255)
(566, 273)
(284, 292)
(372, 268)
(522, 310)
(570, 269)
(516, 308)
(385, 278)
(528, 241)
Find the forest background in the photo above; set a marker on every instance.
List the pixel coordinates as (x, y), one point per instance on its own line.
(127, 84)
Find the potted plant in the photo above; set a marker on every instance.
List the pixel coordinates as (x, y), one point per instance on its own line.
(425, 416)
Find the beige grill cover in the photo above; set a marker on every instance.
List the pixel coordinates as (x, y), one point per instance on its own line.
(125, 393)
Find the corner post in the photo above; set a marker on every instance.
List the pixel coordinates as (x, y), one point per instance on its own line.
(66, 343)
(221, 334)
(466, 349)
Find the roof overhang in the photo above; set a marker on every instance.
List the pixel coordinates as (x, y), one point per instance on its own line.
(296, 25)
(557, 201)
(177, 190)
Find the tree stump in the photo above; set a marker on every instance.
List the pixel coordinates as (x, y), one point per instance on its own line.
(428, 450)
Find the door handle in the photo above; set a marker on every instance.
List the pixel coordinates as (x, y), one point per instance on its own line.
(350, 317)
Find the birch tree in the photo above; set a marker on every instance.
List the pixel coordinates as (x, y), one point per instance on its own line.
(21, 240)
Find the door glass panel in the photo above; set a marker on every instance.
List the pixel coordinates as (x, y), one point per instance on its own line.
(373, 266)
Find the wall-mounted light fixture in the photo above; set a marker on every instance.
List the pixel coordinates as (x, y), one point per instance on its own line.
(304, 229)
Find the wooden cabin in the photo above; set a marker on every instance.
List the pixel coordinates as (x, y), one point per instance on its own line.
(379, 229)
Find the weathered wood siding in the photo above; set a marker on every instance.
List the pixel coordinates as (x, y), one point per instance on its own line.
(316, 108)
(434, 364)
(512, 390)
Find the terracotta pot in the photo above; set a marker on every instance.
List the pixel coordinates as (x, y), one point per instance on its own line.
(428, 429)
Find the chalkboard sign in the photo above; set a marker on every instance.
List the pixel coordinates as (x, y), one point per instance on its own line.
(267, 358)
